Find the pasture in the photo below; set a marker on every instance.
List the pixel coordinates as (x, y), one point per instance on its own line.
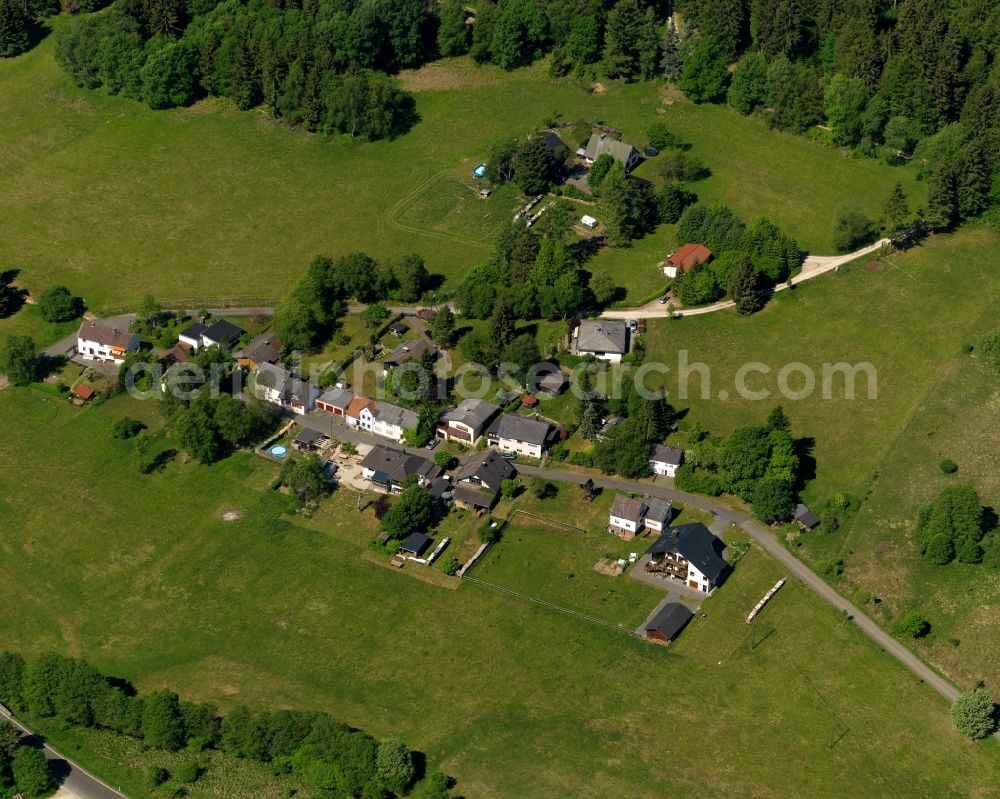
(209, 203)
(141, 576)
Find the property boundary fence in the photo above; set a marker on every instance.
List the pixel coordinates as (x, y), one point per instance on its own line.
(553, 522)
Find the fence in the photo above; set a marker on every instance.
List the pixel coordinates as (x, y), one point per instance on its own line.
(196, 303)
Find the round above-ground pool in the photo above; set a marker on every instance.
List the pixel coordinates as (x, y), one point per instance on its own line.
(279, 451)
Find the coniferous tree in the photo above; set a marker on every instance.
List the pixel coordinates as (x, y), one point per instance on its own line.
(14, 28)
(745, 287)
(942, 198)
(896, 211)
(973, 179)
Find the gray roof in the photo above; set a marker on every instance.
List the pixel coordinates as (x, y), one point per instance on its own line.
(627, 508)
(392, 414)
(408, 351)
(553, 142)
(505, 397)
(308, 436)
(659, 510)
(439, 487)
(472, 496)
(696, 544)
(600, 144)
(194, 331)
(490, 470)
(223, 332)
(104, 334)
(263, 348)
(415, 543)
(521, 428)
(472, 412)
(287, 385)
(399, 465)
(669, 620)
(337, 397)
(806, 517)
(553, 382)
(665, 454)
(602, 335)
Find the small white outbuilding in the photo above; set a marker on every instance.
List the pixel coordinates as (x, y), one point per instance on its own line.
(588, 222)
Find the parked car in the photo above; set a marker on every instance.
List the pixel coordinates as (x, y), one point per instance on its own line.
(632, 324)
(432, 443)
(665, 299)
(509, 456)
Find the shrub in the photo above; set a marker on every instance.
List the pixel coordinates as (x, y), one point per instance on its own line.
(830, 568)
(948, 466)
(188, 772)
(585, 459)
(973, 713)
(451, 566)
(488, 532)
(862, 597)
(127, 427)
(912, 624)
(156, 776)
(443, 460)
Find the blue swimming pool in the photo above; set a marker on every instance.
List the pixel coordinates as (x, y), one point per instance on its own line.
(279, 451)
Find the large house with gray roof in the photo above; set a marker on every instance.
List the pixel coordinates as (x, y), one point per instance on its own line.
(521, 434)
(275, 384)
(601, 143)
(387, 469)
(467, 422)
(606, 339)
(99, 341)
(690, 553)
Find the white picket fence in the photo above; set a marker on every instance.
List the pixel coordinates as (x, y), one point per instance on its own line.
(767, 598)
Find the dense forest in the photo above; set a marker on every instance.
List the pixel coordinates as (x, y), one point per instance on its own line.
(899, 79)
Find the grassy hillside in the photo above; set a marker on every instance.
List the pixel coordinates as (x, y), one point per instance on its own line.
(208, 202)
(142, 577)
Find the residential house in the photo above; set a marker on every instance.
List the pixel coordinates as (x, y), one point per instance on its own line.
(666, 624)
(388, 469)
(475, 499)
(628, 517)
(263, 348)
(222, 333)
(488, 471)
(398, 328)
(690, 553)
(605, 339)
(805, 518)
(409, 351)
(682, 259)
(100, 341)
(547, 379)
(275, 384)
(659, 512)
(391, 421)
(335, 401)
(360, 413)
(664, 460)
(308, 439)
(521, 434)
(467, 422)
(601, 143)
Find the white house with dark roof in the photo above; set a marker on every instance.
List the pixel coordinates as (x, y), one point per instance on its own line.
(600, 144)
(275, 384)
(628, 517)
(467, 422)
(521, 434)
(99, 341)
(487, 471)
(690, 553)
(606, 339)
(222, 333)
(664, 460)
(659, 512)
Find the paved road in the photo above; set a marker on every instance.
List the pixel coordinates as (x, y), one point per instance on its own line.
(70, 777)
(775, 549)
(813, 266)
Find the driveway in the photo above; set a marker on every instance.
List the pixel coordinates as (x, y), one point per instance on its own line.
(72, 780)
(813, 266)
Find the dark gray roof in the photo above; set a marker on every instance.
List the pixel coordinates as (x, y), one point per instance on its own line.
(552, 382)
(263, 348)
(490, 469)
(472, 496)
(308, 436)
(472, 412)
(669, 620)
(553, 142)
(602, 335)
(628, 508)
(288, 386)
(505, 397)
(521, 428)
(399, 328)
(659, 510)
(438, 487)
(806, 517)
(398, 464)
(600, 143)
(415, 543)
(665, 454)
(223, 332)
(194, 331)
(408, 351)
(696, 544)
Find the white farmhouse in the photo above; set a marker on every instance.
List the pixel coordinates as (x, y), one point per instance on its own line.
(664, 460)
(514, 433)
(99, 341)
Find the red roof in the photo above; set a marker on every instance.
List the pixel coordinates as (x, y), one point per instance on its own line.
(529, 401)
(689, 255)
(357, 405)
(84, 391)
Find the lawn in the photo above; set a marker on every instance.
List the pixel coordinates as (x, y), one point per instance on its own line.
(28, 321)
(513, 699)
(209, 204)
(908, 320)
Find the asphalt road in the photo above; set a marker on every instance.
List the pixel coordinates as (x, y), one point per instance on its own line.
(68, 775)
(775, 549)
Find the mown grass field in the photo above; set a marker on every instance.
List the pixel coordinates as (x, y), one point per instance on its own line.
(142, 577)
(207, 202)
